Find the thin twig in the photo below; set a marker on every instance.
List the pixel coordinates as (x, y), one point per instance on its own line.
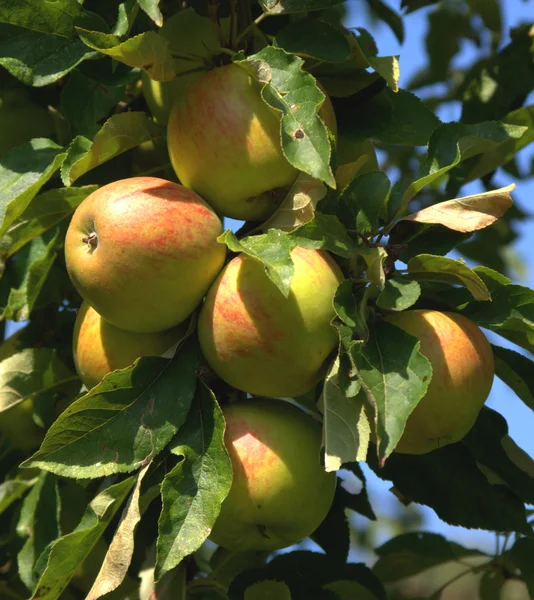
(246, 31)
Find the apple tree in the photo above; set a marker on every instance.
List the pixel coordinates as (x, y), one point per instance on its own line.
(183, 396)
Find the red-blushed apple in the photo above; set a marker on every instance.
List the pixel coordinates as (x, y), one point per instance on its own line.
(99, 347)
(143, 252)
(261, 342)
(224, 143)
(280, 491)
(462, 376)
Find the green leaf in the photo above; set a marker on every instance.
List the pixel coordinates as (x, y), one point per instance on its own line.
(325, 232)
(193, 491)
(427, 267)
(366, 197)
(450, 482)
(358, 502)
(522, 552)
(392, 118)
(23, 172)
(395, 376)
(315, 38)
(39, 524)
(273, 249)
(56, 17)
(69, 551)
(390, 17)
(375, 259)
(333, 534)
(85, 102)
(278, 7)
(346, 428)
(293, 92)
(33, 263)
(120, 133)
(511, 311)
(124, 421)
(43, 212)
(151, 7)
(491, 446)
(39, 59)
(517, 372)
(387, 67)
(12, 490)
(148, 51)
(32, 374)
(399, 293)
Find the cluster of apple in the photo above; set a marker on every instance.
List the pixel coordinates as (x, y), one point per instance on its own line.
(143, 253)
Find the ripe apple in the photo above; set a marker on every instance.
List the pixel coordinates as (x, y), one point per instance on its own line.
(143, 252)
(261, 342)
(280, 492)
(463, 370)
(99, 347)
(224, 143)
(193, 37)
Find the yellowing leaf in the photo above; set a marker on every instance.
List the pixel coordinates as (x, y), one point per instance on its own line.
(470, 213)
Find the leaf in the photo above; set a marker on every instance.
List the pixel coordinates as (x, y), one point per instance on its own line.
(450, 482)
(392, 118)
(39, 523)
(511, 311)
(119, 555)
(151, 7)
(522, 552)
(43, 212)
(491, 446)
(517, 372)
(375, 259)
(325, 232)
(293, 92)
(426, 267)
(394, 376)
(31, 374)
(346, 429)
(268, 590)
(123, 422)
(467, 214)
(273, 249)
(147, 51)
(298, 207)
(387, 67)
(56, 17)
(278, 7)
(119, 133)
(39, 59)
(389, 16)
(315, 38)
(366, 198)
(69, 551)
(35, 261)
(333, 534)
(12, 490)
(398, 294)
(193, 491)
(23, 172)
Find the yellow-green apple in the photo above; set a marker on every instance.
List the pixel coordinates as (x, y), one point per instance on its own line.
(261, 342)
(99, 347)
(192, 40)
(462, 375)
(224, 143)
(280, 491)
(143, 252)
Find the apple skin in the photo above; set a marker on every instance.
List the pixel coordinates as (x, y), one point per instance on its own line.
(99, 347)
(150, 252)
(463, 370)
(280, 491)
(261, 342)
(224, 143)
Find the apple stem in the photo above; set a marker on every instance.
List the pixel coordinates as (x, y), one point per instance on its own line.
(91, 240)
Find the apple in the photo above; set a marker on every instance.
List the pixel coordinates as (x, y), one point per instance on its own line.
(463, 370)
(18, 426)
(99, 347)
(261, 342)
(143, 252)
(280, 491)
(224, 143)
(194, 38)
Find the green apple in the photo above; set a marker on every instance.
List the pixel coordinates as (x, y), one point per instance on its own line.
(261, 342)
(280, 491)
(195, 39)
(99, 347)
(224, 143)
(21, 119)
(143, 252)
(463, 370)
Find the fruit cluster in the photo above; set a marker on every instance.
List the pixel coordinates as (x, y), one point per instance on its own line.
(143, 253)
